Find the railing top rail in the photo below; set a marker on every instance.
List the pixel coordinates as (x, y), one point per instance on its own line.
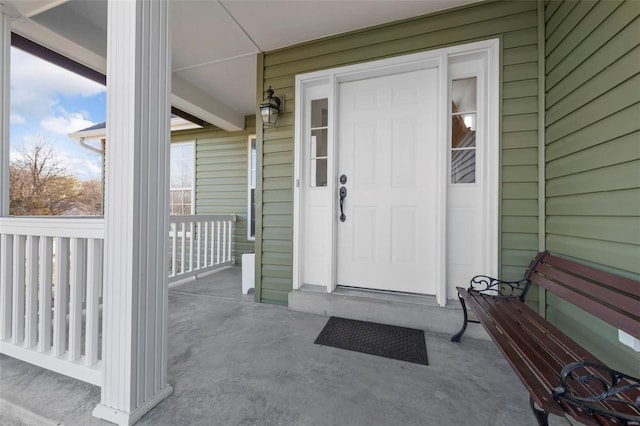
(54, 226)
(202, 218)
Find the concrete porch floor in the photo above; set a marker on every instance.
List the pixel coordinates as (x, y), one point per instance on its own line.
(235, 362)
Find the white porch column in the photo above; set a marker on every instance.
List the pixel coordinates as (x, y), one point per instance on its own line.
(134, 349)
(5, 72)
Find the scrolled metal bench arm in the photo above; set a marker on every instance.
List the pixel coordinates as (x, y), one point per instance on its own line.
(613, 383)
(515, 289)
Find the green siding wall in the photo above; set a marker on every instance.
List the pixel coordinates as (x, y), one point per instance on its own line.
(514, 21)
(593, 153)
(221, 176)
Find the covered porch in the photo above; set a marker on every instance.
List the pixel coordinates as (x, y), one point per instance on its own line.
(225, 351)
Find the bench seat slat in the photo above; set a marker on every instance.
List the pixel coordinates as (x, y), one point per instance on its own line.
(536, 350)
(553, 347)
(539, 392)
(538, 359)
(539, 352)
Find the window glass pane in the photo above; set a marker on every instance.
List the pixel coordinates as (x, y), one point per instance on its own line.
(463, 95)
(463, 133)
(181, 178)
(320, 174)
(252, 178)
(463, 166)
(319, 117)
(319, 143)
(252, 221)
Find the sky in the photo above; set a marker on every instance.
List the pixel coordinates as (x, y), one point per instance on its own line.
(49, 102)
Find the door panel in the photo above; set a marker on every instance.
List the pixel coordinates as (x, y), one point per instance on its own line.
(387, 149)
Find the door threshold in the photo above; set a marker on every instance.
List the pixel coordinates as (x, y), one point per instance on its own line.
(423, 299)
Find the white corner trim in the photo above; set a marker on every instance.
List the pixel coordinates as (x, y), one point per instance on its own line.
(126, 419)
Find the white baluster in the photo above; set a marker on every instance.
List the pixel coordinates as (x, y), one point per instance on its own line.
(191, 229)
(44, 289)
(206, 244)
(31, 295)
(174, 254)
(6, 278)
(230, 239)
(17, 331)
(224, 242)
(94, 284)
(76, 282)
(218, 245)
(199, 242)
(60, 300)
(183, 245)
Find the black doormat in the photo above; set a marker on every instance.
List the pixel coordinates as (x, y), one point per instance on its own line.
(390, 341)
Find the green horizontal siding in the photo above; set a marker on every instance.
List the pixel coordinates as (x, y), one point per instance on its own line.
(221, 177)
(514, 22)
(593, 155)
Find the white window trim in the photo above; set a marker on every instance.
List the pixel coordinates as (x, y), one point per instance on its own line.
(249, 186)
(193, 176)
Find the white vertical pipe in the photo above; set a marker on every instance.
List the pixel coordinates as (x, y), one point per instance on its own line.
(31, 294)
(17, 310)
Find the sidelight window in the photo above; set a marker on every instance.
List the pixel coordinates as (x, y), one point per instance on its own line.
(318, 149)
(463, 130)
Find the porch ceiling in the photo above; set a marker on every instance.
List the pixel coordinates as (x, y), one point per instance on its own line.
(215, 43)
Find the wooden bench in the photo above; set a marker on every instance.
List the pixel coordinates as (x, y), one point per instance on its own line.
(561, 376)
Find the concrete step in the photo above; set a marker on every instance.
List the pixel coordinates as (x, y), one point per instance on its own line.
(401, 309)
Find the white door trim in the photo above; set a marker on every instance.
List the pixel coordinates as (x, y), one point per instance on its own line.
(434, 58)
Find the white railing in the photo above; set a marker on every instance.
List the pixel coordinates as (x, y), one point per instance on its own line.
(51, 273)
(50, 293)
(199, 244)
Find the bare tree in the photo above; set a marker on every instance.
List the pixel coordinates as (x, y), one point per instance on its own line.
(40, 184)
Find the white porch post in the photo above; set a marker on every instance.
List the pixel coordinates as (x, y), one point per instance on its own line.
(5, 72)
(136, 210)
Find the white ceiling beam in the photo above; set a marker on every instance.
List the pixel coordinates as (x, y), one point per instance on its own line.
(195, 101)
(37, 33)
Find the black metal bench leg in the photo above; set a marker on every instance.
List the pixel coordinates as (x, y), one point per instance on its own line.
(541, 416)
(456, 337)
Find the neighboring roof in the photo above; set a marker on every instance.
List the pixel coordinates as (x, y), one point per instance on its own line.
(99, 131)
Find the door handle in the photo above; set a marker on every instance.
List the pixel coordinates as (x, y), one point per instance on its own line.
(343, 195)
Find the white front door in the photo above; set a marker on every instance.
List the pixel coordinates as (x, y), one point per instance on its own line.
(387, 144)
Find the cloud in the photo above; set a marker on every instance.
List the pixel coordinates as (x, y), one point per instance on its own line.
(85, 168)
(46, 79)
(37, 85)
(16, 119)
(69, 122)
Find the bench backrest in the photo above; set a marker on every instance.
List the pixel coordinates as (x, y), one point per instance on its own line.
(610, 297)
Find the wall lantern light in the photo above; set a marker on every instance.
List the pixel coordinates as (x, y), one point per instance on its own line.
(269, 109)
